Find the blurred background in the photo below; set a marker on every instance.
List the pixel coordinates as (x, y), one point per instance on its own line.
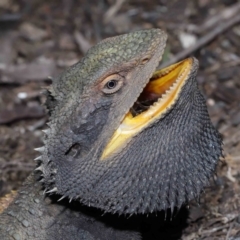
(41, 38)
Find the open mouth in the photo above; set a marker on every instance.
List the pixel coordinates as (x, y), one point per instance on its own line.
(158, 96)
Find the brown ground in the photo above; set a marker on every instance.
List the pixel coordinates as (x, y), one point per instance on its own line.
(40, 38)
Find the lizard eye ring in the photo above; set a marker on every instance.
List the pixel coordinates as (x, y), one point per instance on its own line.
(112, 84)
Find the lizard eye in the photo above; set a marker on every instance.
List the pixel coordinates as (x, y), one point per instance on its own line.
(112, 84)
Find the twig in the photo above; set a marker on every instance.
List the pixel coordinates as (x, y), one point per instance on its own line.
(204, 40)
(229, 231)
(224, 15)
(111, 12)
(213, 230)
(21, 112)
(14, 17)
(11, 17)
(82, 42)
(21, 73)
(230, 176)
(16, 165)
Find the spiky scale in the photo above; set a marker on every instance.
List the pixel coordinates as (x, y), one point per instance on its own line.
(38, 158)
(54, 190)
(40, 149)
(40, 168)
(46, 131)
(61, 198)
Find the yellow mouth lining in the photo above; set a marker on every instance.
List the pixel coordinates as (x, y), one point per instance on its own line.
(164, 86)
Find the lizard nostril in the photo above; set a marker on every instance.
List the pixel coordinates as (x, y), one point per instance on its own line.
(73, 150)
(145, 60)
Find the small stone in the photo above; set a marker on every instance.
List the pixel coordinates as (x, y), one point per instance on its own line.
(4, 3)
(11, 213)
(24, 196)
(187, 39)
(196, 213)
(47, 200)
(211, 102)
(236, 30)
(32, 211)
(23, 192)
(225, 74)
(66, 42)
(236, 119)
(121, 23)
(36, 200)
(22, 95)
(226, 43)
(7, 52)
(16, 236)
(25, 223)
(32, 33)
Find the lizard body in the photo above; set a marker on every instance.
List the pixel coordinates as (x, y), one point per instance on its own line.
(122, 137)
(34, 216)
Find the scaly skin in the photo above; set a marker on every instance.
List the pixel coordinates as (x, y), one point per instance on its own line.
(84, 118)
(32, 216)
(165, 164)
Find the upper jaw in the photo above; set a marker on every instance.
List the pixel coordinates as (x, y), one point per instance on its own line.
(164, 84)
(159, 95)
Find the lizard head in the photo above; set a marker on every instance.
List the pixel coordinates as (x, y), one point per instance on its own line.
(124, 137)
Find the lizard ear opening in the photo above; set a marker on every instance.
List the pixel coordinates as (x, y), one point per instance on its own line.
(73, 150)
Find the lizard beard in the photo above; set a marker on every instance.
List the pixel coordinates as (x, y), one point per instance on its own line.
(182, 154)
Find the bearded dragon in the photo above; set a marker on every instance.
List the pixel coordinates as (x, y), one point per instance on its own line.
(123, 137)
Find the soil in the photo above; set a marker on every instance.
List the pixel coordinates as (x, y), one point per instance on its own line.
(41, 38)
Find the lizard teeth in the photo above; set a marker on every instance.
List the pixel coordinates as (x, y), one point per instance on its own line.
(166, 94)
(162, 73)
